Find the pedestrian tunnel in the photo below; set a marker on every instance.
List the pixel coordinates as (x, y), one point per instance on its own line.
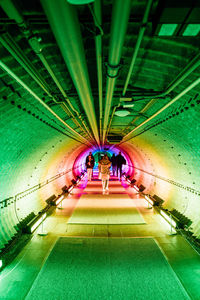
(30, 179)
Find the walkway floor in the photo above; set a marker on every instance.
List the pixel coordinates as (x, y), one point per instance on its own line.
(17, 278)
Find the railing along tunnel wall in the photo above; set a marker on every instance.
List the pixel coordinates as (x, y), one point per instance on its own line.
(32, 169)
(172, 153)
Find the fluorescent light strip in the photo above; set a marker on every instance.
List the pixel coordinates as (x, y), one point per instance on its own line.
(38, 222)
(129, 180)
(128, 105)
(82, 175)
(59, 199)
(191, 30)
(136, 188)
(1, 263)
(70, 189)
(149, 200)
(167, 29)
(168, 218)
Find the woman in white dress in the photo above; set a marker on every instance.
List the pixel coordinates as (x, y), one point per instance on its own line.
(104, 172)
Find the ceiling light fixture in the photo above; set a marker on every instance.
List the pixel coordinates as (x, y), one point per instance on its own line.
(125, 99)
(122, 112)
(128, 105)
(191, 30)
(167, 29)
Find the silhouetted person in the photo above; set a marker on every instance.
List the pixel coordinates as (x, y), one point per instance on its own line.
(90, 165)
(114, 164)
(104, 171)
(120, 160)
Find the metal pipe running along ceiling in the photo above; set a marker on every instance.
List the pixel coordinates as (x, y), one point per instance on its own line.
(18, 54)
(15, 77)
(64, 23)
(120, 16)
(177, 97)
(98, 42)
(14, 13)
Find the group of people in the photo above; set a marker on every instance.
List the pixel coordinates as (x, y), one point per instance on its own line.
(104, 165)
(117, 162)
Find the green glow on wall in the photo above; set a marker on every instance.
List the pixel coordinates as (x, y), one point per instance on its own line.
(167, 29)
(192, 30)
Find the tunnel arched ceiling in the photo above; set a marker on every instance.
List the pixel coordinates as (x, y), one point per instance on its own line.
(157, 63)
(68, 71)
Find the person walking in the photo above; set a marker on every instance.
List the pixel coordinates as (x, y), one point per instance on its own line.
(114, 164)
(104, 170)
(120, 160)
(89, 165)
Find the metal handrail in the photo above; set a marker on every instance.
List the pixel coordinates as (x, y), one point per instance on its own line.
(189, 189)
(34, 188)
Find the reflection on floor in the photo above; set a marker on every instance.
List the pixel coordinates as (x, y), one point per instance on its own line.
(17, 279)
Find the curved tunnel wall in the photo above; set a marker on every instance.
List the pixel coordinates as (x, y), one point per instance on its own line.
(165, 159)
(34, 147)
(172, 149)
(32, 152)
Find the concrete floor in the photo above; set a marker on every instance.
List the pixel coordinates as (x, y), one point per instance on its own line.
(17, 278)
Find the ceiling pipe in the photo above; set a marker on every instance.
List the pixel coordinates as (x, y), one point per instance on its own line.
(189, 68)
(7, 41)
(13, 48)
(138, 43)
(111, 118)
(147, 106)
(64, 23)
(98, 42)
(177, 97)
(120, 16)
(50, 71)
(182, 75)
(14, 13)
(194, 63)
(18, 54)
(16, 78)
